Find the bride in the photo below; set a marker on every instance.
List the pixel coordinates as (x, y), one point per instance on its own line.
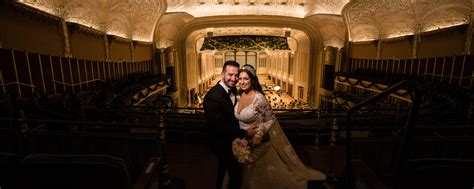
(275, 163)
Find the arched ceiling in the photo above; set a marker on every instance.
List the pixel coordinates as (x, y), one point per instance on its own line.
(292, 8)
(362, 20)
(133, 19)
(270, 31)
(297, 35)
(168, 28)
(331, 28)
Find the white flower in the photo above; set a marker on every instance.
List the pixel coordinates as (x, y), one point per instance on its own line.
(242, 151)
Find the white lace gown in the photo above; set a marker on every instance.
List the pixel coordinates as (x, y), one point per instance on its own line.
(276, 164)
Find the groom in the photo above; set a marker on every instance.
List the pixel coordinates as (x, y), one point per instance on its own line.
(223, 126)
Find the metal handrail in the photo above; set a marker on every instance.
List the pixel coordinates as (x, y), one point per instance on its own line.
(18, 83)
(88, 123)
(416, 100)
(196, 108)
(425, 74)
(72, 85)
(439, 75)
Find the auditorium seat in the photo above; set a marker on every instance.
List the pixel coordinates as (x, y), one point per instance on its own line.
(437, 173)
(74, 172)
(9, 170)
(91, 171)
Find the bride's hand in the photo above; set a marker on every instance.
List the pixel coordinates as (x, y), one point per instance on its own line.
(251, 131)
(257, 137)
(255, 141)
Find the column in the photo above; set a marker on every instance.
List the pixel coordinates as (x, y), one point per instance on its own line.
(338, 60)
(379, 47)
(65, 38)
(162, 65)
(132, 50)
(467, 49)
(416, 40)
(288, 72)
(106, 47)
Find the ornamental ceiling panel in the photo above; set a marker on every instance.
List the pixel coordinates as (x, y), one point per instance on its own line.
(133, 19)
(169, 27)
(331, 28)
(292, 8)
(296, 38)
(364, 19)
(245, 42)
(266, 31)
(375, 19)
(326, 7)
(445, 16)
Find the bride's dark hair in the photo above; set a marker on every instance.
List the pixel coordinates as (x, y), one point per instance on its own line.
(250, 70)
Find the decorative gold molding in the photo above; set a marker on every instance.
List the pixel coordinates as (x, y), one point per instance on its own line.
(75, 27)
(114, 38)
(32, 11)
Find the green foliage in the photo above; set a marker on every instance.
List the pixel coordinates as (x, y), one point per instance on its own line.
(247, 42)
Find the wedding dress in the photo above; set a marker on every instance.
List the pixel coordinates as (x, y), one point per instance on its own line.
(275, 164)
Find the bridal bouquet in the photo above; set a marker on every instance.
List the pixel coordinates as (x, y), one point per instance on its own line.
(242, 149)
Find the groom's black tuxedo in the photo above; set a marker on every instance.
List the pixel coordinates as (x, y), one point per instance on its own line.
(223, 129)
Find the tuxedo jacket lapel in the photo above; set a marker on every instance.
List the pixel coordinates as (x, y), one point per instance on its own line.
(235, 100)
(226, 98)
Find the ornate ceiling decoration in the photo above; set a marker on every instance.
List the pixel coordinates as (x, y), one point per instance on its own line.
(245, 42)
(363, 20)
(297, 39)
(331, 28)
(168, 28)
(269, 31)
(130, 19)
(292, 8)
(374, 19)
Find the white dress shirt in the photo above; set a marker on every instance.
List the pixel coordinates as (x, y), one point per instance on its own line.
(231, 95)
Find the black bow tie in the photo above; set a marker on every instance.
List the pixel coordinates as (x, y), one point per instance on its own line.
(232, 90)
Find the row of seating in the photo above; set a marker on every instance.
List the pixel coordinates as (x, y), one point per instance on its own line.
(79, 171)
(85, 105)
(433, 173)
(40, 132)
(434, 156)
(436, 95)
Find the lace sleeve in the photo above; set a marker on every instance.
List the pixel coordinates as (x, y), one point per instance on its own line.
(266, 114)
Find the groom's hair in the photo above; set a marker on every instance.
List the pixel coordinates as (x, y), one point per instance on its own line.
(230, 63)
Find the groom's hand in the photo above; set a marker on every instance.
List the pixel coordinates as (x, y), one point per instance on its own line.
(251, 131)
